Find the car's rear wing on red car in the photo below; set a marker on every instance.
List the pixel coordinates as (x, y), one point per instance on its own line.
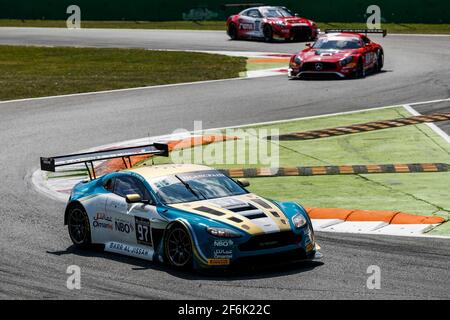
(88, 158)
(243, 5)
(365, 31)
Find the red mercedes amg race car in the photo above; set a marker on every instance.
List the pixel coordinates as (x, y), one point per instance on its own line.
(340, 53)
(270, 23)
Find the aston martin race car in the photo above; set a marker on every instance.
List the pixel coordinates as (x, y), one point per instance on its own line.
(270, 23)
(339, 53)
(181, 214)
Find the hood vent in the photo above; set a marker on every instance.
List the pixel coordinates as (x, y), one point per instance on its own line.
(246, 207)
(248, 210)
(234, 219)
(262, 203)
(275, 214)
(256, 216)
(241, 208)
(210, 211)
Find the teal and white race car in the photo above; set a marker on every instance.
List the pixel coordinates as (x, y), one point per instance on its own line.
(181, 214)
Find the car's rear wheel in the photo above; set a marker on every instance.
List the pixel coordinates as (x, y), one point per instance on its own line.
(268, 33)
(232, 31)
(79, 226)
(380, 61)
(178, 247)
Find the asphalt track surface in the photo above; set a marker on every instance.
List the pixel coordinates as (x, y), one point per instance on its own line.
(35, 249)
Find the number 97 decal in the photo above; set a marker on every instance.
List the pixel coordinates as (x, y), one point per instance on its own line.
(143, 235)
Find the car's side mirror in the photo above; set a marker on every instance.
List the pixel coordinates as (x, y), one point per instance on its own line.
(296, 15)
(243, 182)
(133, 198)
(308, 45)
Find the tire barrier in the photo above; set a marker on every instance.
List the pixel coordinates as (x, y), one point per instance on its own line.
(363, 127)
(335, 170)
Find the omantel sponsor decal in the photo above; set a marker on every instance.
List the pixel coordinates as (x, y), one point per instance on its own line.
(223, 254)
(101, 220)
(222, 250)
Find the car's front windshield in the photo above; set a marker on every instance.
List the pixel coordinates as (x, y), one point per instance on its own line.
(276, 12)
(338, 43)
(194, 186)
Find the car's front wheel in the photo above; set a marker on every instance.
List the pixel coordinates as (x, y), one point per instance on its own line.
(79, 227)
(178, 247)
(268, 33)
(360, 71)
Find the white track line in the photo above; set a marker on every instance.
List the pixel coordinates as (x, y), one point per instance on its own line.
(121, 90)
(324, 115)
(432, 126)
(428, 102)
(233, 53)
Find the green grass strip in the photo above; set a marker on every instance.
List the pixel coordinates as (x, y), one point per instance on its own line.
(38, 71)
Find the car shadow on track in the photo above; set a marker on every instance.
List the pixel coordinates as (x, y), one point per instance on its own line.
(273, 42)
(327, 77)
(253, 272)
(247, 272)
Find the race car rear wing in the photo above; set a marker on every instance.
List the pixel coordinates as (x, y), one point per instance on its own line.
(365, 31)
(88, 158)
(243, 5)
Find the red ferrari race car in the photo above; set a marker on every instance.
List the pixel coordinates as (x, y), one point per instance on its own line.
(340, 53)
(270, 23)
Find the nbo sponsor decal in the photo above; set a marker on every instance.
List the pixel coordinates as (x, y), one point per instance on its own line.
(123, 227)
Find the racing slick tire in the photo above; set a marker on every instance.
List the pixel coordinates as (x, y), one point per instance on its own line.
(232, 31)
(178, 247)
(380, 61)
(268, 33)
(79, 226)
(360, 72)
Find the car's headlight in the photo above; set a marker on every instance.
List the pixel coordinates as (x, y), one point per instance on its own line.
(346, 61)
(223, 232)
(280, 23)
(297, 60)
(298, 220)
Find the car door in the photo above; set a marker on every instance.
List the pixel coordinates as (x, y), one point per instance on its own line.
(369, 53)
(132, 221)
(256, 16)
(250, 23)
